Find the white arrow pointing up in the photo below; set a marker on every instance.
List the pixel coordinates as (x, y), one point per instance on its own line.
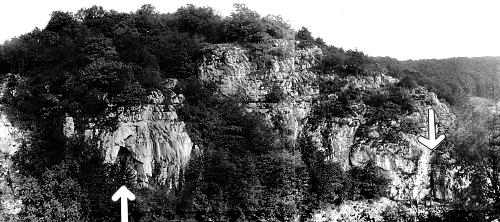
(123, 193)
(432, 142)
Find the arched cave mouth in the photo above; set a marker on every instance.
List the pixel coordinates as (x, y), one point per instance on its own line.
(124, 157)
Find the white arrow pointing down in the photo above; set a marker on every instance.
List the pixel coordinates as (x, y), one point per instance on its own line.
(432, 142)
(124, 194)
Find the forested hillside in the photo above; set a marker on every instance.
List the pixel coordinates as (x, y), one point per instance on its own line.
(88, 64)
(280, 125)
(453, 79)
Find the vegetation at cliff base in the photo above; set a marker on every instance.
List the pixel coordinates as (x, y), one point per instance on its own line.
(89, 64)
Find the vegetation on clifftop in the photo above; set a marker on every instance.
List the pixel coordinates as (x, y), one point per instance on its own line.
(89, 63)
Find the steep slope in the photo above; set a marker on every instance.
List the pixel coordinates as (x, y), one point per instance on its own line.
(11, 138)
(351, 140)
(149, 139)
(152, 141)
(262, 123)
(452, 79)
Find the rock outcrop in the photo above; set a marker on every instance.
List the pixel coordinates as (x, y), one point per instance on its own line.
(151, 140)
(11, 138)
(230, 68)
(406, 162)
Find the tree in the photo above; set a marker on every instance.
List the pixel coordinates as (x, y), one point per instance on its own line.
(63, 192)
(201, 21)
(245, 25)
(408, 82)
(278, 28)
(305, 37)
(64, 24)
(367, 182)
(276, 94)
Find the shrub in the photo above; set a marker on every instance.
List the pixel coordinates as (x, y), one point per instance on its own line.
(201, 21)
(367, 182)
(340, 105)
(408, 82)
(305, 38)
(330, 86)
(62, 191)
(386, 106)
(245, 25)
(276, 94)
(277, 28)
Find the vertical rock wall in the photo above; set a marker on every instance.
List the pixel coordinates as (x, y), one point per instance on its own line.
(151, 140)
(11, 138)
(406, 163)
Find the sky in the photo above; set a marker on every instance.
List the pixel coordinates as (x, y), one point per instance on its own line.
(402, 29)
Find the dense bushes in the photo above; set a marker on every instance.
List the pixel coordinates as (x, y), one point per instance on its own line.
(89, 63)
(245, 172)
(245, 25)
(63, 190)
(248, 173)
(476, 154)
(336, 60)
(305, 38)
(330, 184)
(342, 106)
(103, 58)
(387, 106)
(367, 182)
(384, 112)
(276, 94)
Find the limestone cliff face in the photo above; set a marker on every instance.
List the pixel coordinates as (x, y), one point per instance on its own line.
(154, 143)
(150, 139)
(406, 162)
(11, 138)
(229, 67)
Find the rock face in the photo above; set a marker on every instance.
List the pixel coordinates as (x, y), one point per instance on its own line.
(150, 140)
(230, 68)
(68, 127)
(406, 162)
(153, 142)
(11, 138)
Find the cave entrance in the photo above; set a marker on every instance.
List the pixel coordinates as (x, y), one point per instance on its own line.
(124, 157)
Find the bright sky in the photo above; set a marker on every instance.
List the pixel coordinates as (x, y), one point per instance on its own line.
(401, 29)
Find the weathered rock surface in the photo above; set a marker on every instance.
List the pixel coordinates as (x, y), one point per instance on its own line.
(151, 140)
(229, 67)
(406, 163)
(11, 138)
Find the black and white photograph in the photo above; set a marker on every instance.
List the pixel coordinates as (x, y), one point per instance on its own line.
(265, 111)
